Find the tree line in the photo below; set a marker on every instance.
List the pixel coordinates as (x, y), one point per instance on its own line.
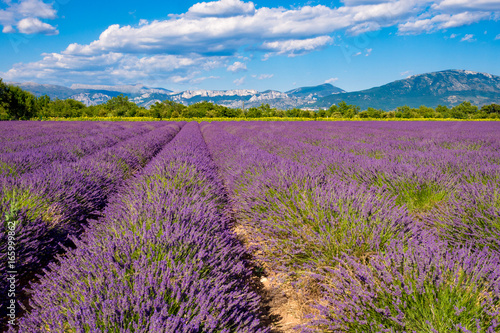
(17, 104)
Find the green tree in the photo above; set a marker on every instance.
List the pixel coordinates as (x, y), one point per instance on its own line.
(347, 110)
(120, 106)
(426, 112)
(63, 108)
(165, 109)
(371, 113)
(406, 112)
(491, 109)
(17, 103)
(464, 110)
(442, 111)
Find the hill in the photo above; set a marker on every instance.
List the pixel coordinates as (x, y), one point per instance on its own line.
(144, 96)
(450, 87)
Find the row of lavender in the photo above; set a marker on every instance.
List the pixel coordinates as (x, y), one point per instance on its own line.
(162, 259)
(42, 208)
(40, 150)
(385, 227)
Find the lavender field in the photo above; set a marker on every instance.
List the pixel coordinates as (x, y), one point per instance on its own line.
(250, 227)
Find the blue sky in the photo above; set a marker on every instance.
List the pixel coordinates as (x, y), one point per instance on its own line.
(233, 44)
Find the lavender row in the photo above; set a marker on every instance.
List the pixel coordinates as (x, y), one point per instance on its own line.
(352, 225)
(43, 208)
(17, 131)
(298, 215)
(411, 287)
(438, 184)
(420, 181)
(70, 150)
(377, 149)
(162, 259)
(44, 134)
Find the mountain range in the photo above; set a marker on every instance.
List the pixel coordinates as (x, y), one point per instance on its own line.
(449, 88)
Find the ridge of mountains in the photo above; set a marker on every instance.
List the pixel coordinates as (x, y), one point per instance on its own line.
(144, 96)
(449, 87)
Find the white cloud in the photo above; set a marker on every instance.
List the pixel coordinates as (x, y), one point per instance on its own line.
(362, 2)
(468, 38)
(263, 76)
(8, 29)
(497, 37)
(113, 68)
(405, 73)
(217, 33)
(222, 8)
(36, 8)
(26, 15)
(35, 26)
(297, 46)
(484, 5)
(453, 36)
(441, 21)
(332, 80)
(239, 81)
(237, 67)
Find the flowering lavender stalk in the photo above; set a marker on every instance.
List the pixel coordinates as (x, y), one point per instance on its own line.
(69, 150)
(301, 218)
(47, 205)
(412, 288)
(297, 217)
(472, 217)
(162, 259)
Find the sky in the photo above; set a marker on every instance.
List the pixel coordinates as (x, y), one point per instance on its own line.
(237, 44)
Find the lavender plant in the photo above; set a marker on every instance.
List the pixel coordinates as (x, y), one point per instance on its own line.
(162, 259)
(48, 205)
(412, 287)
(471, 218)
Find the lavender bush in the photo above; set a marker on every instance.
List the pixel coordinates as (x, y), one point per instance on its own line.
(48, 205)
(162, 260)
(412, 288)
(381, 226)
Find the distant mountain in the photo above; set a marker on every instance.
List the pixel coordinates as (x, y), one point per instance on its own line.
(317, 91)
(450, 87)
(144, 96)
(51, 90)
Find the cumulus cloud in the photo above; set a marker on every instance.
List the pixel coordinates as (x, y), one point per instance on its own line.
(484, 5)
(237, 67)
(113, 68)
(497, 37)
(25, 15)
(441, 21)
(35, 26)
(222, 8)
(297, 46)
(36, 8)
(8, 29)
(213, 34)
